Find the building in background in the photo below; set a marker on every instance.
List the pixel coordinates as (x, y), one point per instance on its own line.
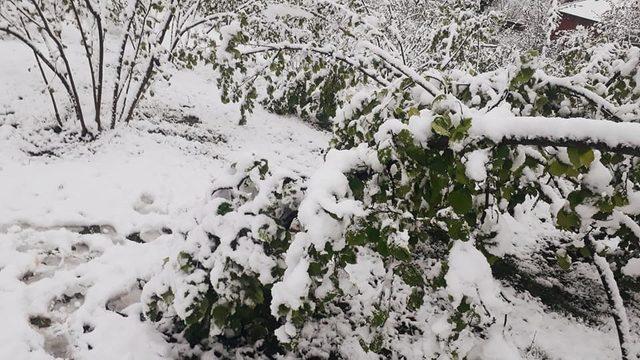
(584, 13)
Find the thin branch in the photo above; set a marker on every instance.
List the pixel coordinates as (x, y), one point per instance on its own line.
(603, 135)
(153, 61)
(44, 77)
(129, 76)
(42, 58)
(585, 143)
(326, 52)
(56, 40)
(87, 49)
(98, 91)
(614, 299)
(123, 46)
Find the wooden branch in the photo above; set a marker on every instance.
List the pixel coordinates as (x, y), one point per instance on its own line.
(129, 76)
(42, 58)
(44, 77)
(87, 52)
(614, 299)
(153, 61)
(603, 135)
(596, 145)
(98, 93)
(325, 52)
(123, 47)
(593, 98)
(403, 69)
(56, 40)
(142, 89)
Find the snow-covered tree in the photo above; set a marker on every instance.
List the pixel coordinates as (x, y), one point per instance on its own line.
(528, 21)
(622, 23)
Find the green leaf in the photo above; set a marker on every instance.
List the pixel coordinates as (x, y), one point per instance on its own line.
(315, 269)
(224, 208)
(416, 299)
(441, 126)
(557, 168)
(584, 251)
(379, 318)
(522, 77)
(564, 262)
(439, 129)
(413, 112)
(410, 275)
(619, 199)
(357, 187)
(168, 297)
(220, 314)
(377, 343)
(373, 234)
(462, 130)
(587, 157)
(567, 220)
(400, 253)
(356, 239)
(581, 157)
(577, 197)
(461, 201)
(457, 229)
(348, 256)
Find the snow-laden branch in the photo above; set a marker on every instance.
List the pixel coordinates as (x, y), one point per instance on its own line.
(398, 65)
(503, 127)
(616, 304)
(595, 99)
(326, 51)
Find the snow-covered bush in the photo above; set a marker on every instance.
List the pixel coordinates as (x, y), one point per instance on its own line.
(306, 57)
(435, 177)
(147, 36)
(218, 287)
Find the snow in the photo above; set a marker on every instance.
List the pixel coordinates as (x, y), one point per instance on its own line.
(495, 348)
(632, 268)
(500, 124)
(281, 10)
(476, 165)
(133, 179)
(470, 276)
(86, 281)
(598, 178)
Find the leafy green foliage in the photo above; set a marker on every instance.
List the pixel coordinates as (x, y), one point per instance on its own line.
(232, 306)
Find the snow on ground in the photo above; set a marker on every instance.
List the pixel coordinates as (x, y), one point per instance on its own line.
(69, 277)
(83, 225)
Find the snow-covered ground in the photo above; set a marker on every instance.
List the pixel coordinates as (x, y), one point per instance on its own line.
(69, 277)
(83, 225)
